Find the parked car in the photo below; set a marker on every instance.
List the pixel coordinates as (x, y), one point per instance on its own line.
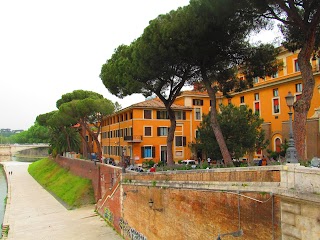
(192, 163)
(110, 161)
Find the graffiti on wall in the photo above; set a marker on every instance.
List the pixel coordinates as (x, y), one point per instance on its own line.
(129, 231)
(108, 215)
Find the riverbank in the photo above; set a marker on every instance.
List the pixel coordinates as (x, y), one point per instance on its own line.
(3, 193)
(32, 213)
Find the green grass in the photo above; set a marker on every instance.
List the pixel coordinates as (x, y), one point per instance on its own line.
(74, 191)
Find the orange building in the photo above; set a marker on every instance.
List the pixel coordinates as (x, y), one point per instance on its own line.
(267, 98)
(139, 131)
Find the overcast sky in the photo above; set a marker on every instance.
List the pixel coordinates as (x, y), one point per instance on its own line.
(49, 48)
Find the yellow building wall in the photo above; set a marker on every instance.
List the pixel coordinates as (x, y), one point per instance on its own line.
(285, 82)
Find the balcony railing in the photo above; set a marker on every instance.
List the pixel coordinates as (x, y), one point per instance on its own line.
(134, 138)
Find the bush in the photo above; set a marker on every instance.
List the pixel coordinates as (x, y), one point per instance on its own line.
(148, 163)
(161, 164)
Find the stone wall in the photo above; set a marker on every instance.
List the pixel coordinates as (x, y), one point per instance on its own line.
(300, 220)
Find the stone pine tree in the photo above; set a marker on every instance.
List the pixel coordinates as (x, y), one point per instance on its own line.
(63, 137)
(215, 44)
(88, 109)
(300, 25)
(151, 65)
(202, 42)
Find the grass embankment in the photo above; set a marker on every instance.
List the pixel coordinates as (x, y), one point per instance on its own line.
(74, 191)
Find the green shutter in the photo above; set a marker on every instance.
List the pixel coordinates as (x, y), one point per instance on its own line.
(153, 149)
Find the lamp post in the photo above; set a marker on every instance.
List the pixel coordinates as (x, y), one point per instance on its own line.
(291, 154)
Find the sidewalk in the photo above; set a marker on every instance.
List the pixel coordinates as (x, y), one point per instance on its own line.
(32, 213)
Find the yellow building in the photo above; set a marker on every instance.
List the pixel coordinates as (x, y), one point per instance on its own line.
(139, 131)
(267, 97)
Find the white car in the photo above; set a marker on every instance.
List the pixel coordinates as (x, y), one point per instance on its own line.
(192, 163)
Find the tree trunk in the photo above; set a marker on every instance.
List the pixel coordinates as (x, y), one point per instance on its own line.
(96, 140)
(302, 106)
(214, 122)
(85, 144)
(170, 137)
(250, 158)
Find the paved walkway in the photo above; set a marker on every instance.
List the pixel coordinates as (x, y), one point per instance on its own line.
(33, 213)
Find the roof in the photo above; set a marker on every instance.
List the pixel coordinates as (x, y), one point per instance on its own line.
(192, 93)
(156, 103)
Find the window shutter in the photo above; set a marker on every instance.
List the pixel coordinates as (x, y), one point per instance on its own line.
(184, 115)
(158, 115)
(201, 102)
(184, 139)
(193, 101)
(256, 106)
(153, 151)
(142, 152)
(158, 131)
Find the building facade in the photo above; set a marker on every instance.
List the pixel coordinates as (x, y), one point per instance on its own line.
(139, 132)
(267, 98)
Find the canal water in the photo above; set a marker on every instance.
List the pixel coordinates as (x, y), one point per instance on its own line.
(3, 184)
(3, 194)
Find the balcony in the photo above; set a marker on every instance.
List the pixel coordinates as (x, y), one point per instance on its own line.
(133, 139)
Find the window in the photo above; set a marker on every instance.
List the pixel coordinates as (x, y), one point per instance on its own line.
(180, 115)
(299, 87)
(147, 152)
(162, 115)
(229, 101)
(180, 141)
(147, 114)
(147, 131)
(197, 134)
(275, 92)
(296, 66)
(297, 97)
(256, 80)
(278, 145)
(198, 102)
(197, 113)
(257, 108)
(162, 131)
(242, 99)
(276, 105)
(256, 97)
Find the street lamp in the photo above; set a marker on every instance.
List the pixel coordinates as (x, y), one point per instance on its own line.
(291, 154)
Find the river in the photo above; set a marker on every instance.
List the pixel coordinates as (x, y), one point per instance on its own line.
(3, 183)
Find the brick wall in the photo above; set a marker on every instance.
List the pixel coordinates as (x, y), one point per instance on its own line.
(184, 204)
(185, 214)
(88, 169)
